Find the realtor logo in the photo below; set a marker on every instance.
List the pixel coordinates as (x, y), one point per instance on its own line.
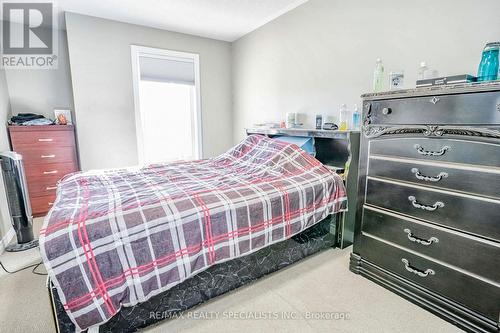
(28, 35)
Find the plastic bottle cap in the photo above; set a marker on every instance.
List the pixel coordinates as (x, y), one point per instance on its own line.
(379, 60)
(423, 64)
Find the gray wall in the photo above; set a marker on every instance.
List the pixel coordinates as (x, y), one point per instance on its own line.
(322, 54)
(4, 145)
(35, 91)
(41, 90)
(99, 52)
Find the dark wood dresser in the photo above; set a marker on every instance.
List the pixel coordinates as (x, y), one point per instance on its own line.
(49, 153)
(428, 214)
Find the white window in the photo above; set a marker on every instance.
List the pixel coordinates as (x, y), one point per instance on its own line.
(167, 105)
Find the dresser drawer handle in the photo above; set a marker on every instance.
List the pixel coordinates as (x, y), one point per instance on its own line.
(50, 188)
(50, 172)
(48, 156)
(421, 241)
(416, 271)
(420, 176)
(424, 152)
(432, 208)
(51, 203)
(46, 140)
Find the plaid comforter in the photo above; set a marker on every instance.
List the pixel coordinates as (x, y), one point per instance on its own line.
(118, 237)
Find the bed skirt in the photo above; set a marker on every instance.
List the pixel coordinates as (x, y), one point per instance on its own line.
(212, 282)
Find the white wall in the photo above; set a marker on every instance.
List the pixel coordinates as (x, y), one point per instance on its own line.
(42, 90)
(4, 145)
(99, 52)
(322, 54)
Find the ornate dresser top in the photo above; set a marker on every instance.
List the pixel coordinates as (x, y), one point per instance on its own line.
(435, 90)
(471, 109)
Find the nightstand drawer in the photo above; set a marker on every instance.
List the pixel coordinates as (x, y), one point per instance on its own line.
(42, 187)
(44, 155)
(41, 205)
(30, 139)
(469, 253)
(44, 171)
(475, 215)
(477, 294)
(438, 150)
(480, 181)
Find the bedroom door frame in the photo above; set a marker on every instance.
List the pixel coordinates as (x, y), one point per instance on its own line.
(136, 52)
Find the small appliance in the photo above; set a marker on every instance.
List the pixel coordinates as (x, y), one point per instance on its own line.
(18, 201)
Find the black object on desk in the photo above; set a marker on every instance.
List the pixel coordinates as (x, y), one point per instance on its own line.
(330, 127)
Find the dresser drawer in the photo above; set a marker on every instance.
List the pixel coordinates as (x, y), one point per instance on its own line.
(465, 109)
(474, 215)
(474, 293)
(438, 150)
(45, 139)
(43, 186)
(44, 171)
(468, 253)
(44, 155)
(464, 179)
(41, 205)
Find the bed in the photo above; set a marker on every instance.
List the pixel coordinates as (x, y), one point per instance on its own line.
(119, 245)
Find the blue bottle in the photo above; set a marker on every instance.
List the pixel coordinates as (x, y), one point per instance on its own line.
(488, 68)
(356, 118)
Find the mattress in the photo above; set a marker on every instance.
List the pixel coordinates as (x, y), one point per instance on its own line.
(115, 238)
(214, 281)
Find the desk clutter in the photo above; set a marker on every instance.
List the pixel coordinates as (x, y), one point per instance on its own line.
(348, 120)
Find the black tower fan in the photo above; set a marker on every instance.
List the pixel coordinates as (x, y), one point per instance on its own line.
(18, 201)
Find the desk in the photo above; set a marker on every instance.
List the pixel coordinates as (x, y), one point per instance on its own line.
(340, 150)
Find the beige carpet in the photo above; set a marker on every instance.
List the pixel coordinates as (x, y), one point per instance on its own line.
(320, 285)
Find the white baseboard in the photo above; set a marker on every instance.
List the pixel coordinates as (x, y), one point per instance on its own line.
(6, 239)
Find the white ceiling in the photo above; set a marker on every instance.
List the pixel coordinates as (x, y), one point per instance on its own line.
(219, 19)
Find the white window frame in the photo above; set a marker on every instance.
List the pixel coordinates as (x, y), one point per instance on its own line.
(136, 52)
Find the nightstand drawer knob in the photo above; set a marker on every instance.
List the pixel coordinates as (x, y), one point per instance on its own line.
(421, 241)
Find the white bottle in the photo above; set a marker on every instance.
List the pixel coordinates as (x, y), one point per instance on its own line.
(345, 118)
(422, 71)
(378, 76)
